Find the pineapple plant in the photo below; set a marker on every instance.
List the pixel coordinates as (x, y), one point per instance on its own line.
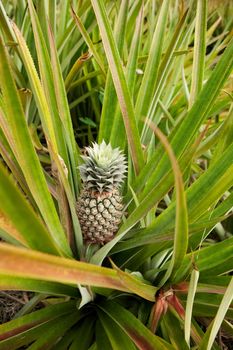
(99, 207)
(146, 87)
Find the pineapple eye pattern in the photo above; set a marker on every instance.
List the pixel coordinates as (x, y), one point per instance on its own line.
(99, 207)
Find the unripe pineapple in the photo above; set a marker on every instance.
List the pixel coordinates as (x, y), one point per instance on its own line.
(99, 207)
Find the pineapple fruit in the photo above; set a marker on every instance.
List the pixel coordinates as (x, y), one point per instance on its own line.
(99, 207)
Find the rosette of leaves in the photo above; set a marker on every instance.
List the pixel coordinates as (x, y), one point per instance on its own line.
(155, 79)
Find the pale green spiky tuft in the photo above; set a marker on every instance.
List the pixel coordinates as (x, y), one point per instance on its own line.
(104, 168)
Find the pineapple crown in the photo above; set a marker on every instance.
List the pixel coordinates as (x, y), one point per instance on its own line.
(104, 168)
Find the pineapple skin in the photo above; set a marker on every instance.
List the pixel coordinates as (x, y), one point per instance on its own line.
(99, 215)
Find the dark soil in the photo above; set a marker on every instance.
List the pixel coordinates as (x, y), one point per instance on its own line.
(10, 303)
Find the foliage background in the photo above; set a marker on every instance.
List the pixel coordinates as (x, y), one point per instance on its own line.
(155, 79)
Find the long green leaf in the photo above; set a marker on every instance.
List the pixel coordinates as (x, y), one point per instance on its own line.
(174, 331)
(49, 90)
(110, 98)
(33, 334)
(162, 75)
(213, 329)
(32, 229)
(189, 305)
(121, 87)
(72, 148)
(88, 40)
(86, 327)
(9, 158)
(5, 24)
(189, 127)
(219, 254)
(33, 285)
(31, 320)
(200, 196)
(208, 305)
(152, 67)
(118, 136)
(66, 340)
(26, 155)
(116, 336)
(225, 137)
(55, 332)
(37, 88)
(181, 227)
(29, 263)
(64, 112)
(102, 340)
(42, 11)
(140, 334)
(157, 192)
(199, 50)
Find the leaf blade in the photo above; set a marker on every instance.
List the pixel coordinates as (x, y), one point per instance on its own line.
(121, 87)
(141, 336)
(20, 262)
(26, 155)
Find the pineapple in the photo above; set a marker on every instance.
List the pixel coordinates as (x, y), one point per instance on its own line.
(99, 207)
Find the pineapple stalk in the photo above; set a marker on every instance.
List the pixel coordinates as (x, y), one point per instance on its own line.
(99, 207)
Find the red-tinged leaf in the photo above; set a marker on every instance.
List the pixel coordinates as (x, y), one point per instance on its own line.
(19, 262)
(201, 288)
(176, 304)
(158, 310)
(142, 337)
(25, 338)
(56, 330)
(29, 263)
(26, 322)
